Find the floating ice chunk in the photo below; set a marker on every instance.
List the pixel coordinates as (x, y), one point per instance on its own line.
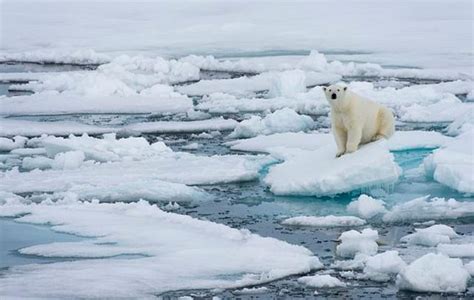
(424, 208)
(463, 123)
(357, 263)
(107, 149)
(457, 250)
(453, 165)
(288, 84)
(251, 291)
(417, 139)
(326, 221)
(9, 144)
(353, 242)
(429, 274)
(319, 172)
(186, 126)
(430, 236)
(174, 167)
(174, 252)
(280, 121)
(366, 207)
(11, 127)
(321, 281)
(197, 115)
(171, 206)
(380, 266)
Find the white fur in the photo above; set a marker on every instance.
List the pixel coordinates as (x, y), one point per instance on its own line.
(356, 120)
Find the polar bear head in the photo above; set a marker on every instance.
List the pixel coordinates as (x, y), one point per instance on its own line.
(335, 93)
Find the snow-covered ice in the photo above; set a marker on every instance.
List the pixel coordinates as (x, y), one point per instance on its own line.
(457, 250)
(380, 266)
(430, 236)
(354, 242)
(177, 252)
(453, 165)
(7, 144)
(321, 281)
(326, 221)
(429, 273)
(366, 207)
(284, 120)
(319, 172)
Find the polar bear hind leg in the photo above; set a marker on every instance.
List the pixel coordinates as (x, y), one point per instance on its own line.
(386, 124)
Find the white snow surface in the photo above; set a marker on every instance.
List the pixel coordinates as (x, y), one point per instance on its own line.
(354, 242)
(319, 172)
(284, 120)
(429, 274)
(380, 266)
(321, 281)
(326, 221)
(7, 144)
(426, 208)
(366, 207)
(430, 236)
(453, 165)
(457, 250)
(178, 252)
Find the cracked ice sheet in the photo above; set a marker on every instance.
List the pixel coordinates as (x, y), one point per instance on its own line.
(179, 252)
(319, 172)
(401, 140)
(177, 167)
(12, 127)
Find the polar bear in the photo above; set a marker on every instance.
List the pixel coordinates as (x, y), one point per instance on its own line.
(356, 120)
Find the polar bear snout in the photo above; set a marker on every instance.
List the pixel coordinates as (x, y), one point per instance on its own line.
(333, 96)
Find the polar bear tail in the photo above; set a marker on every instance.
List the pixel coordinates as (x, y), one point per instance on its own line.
(386, 123)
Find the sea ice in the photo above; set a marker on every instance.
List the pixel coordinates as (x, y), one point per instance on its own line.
(326, 221)
(354, 242)
(366, 207)
(430, 236)
(457, 250)
(321, 281)
(174, 252)
(380, 266)
(283, 120)
(453, 164)
(319, 172)
(429, 273)
(10, 144)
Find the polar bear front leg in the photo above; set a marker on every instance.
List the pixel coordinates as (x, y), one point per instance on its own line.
(354, 136)
(340, 135)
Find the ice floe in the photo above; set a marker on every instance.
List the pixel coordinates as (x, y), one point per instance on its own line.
(215, 124)
(326, 221)
(429, 274)
(430, 236)
(10, 144)
(321, 281)
(453, 165)
(426, 208)
(381, 266)
(354, 242)
(366, 207)
(319, 172)
(175, 252)
(284, 120)
(456, 250)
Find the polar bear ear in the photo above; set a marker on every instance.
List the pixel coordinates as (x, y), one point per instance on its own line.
(345, 88)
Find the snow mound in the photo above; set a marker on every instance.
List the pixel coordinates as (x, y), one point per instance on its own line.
(280, 121)
(321, 281)
(319, 172)
(417, 139)
(424, 208)
(429, 274)
(453, 165)
(366, 207)
(174, 252)
(326, 221)
(430, 236)
(76, 57)
(380, 266)
(354, 242)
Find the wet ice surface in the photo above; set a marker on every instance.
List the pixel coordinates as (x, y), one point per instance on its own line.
(251, 205)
